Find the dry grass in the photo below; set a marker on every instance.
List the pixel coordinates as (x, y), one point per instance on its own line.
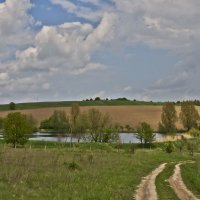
(124, 115)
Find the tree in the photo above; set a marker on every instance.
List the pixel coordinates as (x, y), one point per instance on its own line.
(111, 133)
(168, 119)
(189, 116)
(95, 124)
(97, 99)
(1, 123)
(58, 122)
(100, 126)
(75, 111)
(17, 129)
(145, 133)
(81, 125)
(33, 122)
(12, 106)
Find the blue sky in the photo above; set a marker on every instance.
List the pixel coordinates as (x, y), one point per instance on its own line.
(77, 49)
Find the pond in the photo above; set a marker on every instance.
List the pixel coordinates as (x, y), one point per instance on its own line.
(124, 137)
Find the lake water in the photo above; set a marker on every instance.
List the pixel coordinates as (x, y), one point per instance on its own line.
(124, 137)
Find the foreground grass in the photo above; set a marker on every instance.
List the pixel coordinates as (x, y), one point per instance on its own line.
(191, 176)
(165, 192)
(76, 173)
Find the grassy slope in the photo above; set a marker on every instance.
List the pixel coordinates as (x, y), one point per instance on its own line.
(36, 174)
(191, 176)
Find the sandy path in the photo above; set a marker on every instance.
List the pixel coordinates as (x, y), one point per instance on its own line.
(178, 185)
(147, 189)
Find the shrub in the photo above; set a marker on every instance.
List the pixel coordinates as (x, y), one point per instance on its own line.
(72, 166)
(194, 132)
(169, 148)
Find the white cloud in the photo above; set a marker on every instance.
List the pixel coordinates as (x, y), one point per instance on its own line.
(65, 48)
(15, 25)
(69, 48)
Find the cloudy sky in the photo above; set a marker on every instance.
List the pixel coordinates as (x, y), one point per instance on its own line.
(77, 49)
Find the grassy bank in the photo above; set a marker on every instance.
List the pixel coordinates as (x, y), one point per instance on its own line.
(88, 171)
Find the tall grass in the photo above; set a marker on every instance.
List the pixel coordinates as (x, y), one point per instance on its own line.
(75, 173)
(191, 176)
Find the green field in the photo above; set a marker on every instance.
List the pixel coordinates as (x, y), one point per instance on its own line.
(115, 102)
(82, 171)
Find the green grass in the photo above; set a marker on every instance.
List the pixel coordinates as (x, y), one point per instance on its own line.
(86, 171)
(165, 192)
(114, 102)
(191, 176)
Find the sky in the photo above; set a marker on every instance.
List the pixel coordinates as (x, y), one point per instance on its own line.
(54, 50)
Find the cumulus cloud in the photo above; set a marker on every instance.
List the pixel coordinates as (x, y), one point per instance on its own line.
(35, 57)
(67, 47)
(29, 59)
(15, 26)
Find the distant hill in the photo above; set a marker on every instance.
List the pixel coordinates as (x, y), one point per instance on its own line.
(97, 102)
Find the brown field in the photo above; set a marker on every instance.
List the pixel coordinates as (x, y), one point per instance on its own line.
(124, 115)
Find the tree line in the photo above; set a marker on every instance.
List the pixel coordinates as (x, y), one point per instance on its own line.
(99, 127)
(188, 117)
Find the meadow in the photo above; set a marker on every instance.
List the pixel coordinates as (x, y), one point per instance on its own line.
(81, 171)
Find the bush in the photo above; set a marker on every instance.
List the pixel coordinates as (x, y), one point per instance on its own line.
(72, 166)
(169, 148)
(194, 132)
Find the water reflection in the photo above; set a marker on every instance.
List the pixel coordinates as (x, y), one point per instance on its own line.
(124, 137)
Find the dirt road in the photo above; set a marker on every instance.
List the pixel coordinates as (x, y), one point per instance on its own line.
(178, 185)
(147, 189)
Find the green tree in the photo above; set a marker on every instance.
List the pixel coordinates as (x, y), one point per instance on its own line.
(100, 126)
(33, 122)
(17, 129)
(145, 133)
(168, 119)
(95, 124)
(189, 116)
(111, 133)
(1, 123)
(58, 122)
(12, 106)
(81, 125)
(74, 113)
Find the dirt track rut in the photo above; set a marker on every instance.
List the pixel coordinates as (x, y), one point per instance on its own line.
(178, 185)
(147, 189)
